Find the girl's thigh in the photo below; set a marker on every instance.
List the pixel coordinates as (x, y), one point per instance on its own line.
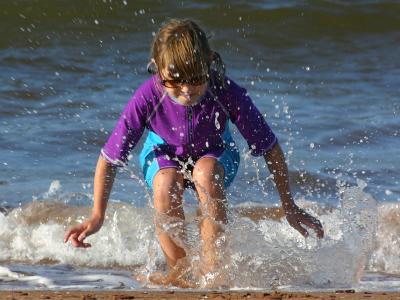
(168, 192)
(154, 162)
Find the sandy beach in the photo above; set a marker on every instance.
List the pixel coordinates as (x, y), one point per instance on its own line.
(114, 295)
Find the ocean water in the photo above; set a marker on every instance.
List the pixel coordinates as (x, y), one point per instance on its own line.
(326, 76)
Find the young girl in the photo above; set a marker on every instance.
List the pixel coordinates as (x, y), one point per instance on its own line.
(187, 106)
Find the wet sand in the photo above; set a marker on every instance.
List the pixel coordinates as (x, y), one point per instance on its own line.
(214, 295)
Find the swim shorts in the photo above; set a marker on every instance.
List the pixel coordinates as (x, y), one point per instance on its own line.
(152, 159)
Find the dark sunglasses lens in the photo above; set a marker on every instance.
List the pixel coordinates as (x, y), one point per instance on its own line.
(176, 83)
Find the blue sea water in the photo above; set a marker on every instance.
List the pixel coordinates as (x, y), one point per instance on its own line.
(325, 74)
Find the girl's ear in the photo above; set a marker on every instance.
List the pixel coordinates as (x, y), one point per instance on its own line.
(218, 63)
(152, 67)
(213, 56)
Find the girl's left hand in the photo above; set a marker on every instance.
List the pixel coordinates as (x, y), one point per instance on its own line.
(298, 217)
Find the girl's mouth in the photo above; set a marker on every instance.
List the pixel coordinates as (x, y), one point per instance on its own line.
(187, 96)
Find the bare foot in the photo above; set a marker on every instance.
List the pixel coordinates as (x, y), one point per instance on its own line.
(178, 276)
(215, 280)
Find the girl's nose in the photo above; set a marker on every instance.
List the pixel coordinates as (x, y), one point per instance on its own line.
(185, 88)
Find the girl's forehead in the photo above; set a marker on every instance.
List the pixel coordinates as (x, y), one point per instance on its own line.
(182, 69)
(175, 74)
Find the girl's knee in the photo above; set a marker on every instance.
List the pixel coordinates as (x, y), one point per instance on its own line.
(208, 171)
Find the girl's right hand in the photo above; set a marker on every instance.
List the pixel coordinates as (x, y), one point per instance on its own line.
(79, 233)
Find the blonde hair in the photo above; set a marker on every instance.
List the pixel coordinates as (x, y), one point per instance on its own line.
(181, 48)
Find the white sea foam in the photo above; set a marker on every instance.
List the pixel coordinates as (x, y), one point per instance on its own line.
(123, 240)
(63, 277)
(386, 255)
(279, 255)
(264, 253)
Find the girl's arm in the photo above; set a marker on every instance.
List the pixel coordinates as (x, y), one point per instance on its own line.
(126, 134)
(296, 216)
(103, 182)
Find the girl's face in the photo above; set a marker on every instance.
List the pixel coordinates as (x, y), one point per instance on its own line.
(188, 92)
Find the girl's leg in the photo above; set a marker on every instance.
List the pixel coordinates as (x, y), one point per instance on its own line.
(208, 177)
(168, 191)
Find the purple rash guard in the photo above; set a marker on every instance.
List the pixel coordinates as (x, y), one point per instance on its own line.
(178, 131)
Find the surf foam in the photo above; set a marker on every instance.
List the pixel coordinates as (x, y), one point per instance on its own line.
(263, 253)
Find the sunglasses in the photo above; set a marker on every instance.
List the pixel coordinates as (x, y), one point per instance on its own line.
(177, 83)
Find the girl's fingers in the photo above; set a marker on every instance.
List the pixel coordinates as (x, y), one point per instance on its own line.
(315, 225)
(319, 230)
(76, 237)
(86, 245)
(302, 230)
(77, 243)
(296, 225)
(74, 240)
(78, 234)
(82, 236)
(66, 236)
(86, 232)
(69, 233)
(296, 220)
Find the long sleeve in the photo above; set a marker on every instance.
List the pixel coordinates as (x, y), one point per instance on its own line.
(127, 131)
(248, 119)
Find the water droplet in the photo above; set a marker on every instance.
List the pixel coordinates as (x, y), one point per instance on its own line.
(217, 125)
(286, 109)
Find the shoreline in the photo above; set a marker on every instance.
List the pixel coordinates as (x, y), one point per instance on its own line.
(192, 295)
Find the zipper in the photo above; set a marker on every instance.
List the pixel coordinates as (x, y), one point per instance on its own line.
(190, 129)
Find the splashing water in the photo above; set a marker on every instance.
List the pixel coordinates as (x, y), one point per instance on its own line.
(256, 251)
(217, 125)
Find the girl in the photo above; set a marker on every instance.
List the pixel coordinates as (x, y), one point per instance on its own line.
(186, 107)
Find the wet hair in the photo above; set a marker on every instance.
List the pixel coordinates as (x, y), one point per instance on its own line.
(181, 48)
